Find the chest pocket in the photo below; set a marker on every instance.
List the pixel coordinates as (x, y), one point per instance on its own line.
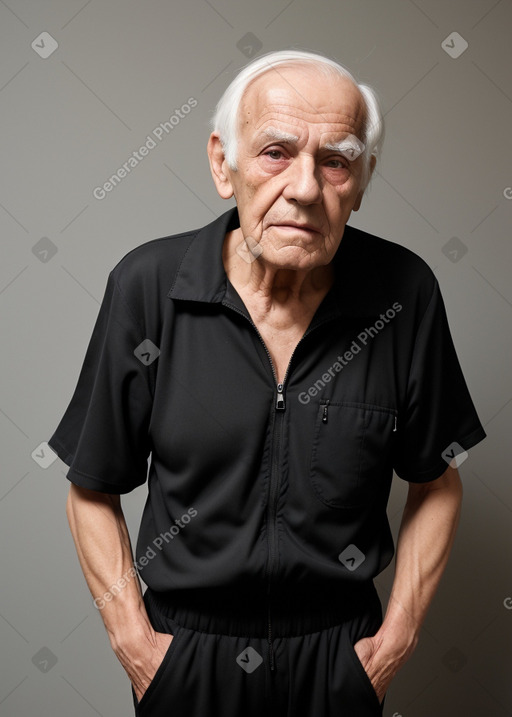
(352, 449)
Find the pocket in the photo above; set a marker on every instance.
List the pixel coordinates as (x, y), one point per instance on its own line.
(362, 676)
(352, 449)
(154, 687)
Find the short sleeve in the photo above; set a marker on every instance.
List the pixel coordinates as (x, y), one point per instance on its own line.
(438, 419)
(103, 435)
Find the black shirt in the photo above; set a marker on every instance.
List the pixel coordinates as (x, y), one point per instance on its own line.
(252, 484)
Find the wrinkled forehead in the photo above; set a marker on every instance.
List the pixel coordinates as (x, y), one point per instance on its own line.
(300, 95)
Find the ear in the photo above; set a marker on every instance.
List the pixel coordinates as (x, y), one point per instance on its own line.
(359, 198)
(219, 167)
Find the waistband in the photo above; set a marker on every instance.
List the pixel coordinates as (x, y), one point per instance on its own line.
(231, 613)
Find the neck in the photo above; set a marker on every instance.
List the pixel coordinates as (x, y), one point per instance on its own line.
(273, 285)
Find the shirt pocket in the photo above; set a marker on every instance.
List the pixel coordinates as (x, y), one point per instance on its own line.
(351, 452)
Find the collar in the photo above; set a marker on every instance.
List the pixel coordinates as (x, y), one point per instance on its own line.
(357, 289)
(201, 275)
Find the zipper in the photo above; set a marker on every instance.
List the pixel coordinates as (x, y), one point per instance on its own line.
(278, 419)
(274, 484)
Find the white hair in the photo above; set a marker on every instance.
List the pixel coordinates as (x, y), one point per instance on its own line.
(225, 117)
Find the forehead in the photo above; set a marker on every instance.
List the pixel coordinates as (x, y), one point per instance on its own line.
(301, 97)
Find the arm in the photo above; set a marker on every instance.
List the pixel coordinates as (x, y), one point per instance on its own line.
(425, 539)
(103, 545)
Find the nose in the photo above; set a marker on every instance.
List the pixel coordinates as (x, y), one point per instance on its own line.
(302, 181)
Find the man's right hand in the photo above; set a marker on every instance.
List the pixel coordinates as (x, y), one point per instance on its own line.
(103, 545)
(142, 657)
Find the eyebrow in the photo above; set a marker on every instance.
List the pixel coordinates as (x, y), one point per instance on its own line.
(279, 135)
(336, 146)
(341, 147)
(351, 145)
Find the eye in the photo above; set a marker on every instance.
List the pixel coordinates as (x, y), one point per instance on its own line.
(274, 153)
(337, 163)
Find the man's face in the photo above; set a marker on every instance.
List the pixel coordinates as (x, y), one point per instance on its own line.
(294, 192)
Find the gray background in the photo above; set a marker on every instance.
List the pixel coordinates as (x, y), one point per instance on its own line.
(443, 189)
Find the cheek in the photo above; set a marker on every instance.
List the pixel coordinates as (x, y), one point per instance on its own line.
(343, 182)
(338, 206)
(342, 193)
(337, 177)
(254, 201)
(250, 190)
(262, 195)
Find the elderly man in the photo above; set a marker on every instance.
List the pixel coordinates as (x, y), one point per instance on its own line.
(275, 366)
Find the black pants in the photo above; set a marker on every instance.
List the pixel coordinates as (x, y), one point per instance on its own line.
(219, 663)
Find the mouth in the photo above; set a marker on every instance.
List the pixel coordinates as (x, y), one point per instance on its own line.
(296, 225)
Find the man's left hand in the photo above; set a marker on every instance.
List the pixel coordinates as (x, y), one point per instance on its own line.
(380, 664)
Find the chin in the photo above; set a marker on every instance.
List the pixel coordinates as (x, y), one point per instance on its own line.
(295, 258)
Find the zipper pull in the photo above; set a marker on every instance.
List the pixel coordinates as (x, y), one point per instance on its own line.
(280, 398)
(394, 429)
(324, 417)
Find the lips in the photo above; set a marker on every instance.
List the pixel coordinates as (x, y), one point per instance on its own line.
(297, 225)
